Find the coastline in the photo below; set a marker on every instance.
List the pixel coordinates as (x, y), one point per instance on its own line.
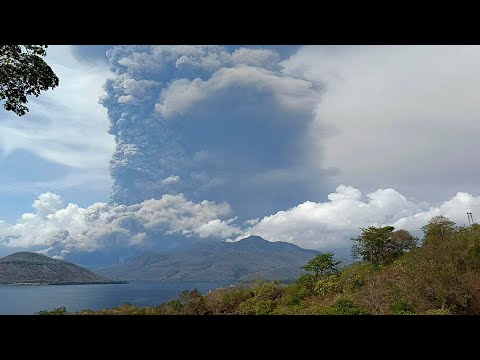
(65, 283)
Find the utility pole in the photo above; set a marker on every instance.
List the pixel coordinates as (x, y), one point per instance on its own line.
(470, 218)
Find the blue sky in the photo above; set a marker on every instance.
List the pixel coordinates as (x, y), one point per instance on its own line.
(151, 146)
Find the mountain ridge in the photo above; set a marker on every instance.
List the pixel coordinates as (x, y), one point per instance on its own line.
(247, 259)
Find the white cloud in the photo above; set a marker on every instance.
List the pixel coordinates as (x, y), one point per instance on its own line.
(100, 225)
(400, 116)
(326, 226)
(218, 228)
(330, 225)
(264, 58)
(172, 179)
(65, 125)
(47, 203)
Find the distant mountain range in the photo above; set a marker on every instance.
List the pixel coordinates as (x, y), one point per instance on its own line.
(33, 268)
(248, 259)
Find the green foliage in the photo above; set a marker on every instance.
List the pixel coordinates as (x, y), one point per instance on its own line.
(57, 311)
(226, 301)
(193, 302)
(344, 306)
(372, 244)
(255, 306)
(306, 284)
(266, 297)
(298, 309)
(173, 307)
(401, 242)
(294, 295)
(403, 312)
(439, 227)
(401, 307)
(382, 245)
(85, 312)
(355, 276)
(442, 274)
(319, 310)
(267, 290)
(126, 309)
(327, 285)
(440, 277)
(23, 72)
(397, 303)
(322, 265)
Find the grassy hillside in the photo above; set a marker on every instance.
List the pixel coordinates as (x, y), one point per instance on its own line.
(441, 276)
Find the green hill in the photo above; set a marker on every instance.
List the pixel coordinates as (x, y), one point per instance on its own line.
(33, 268)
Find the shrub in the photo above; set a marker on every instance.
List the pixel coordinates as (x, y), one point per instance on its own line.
(437, 312)
(327, 285)
(256, 306)
(58, 311)
(227, 300)
(355, 276)
(344, 306)
(193, 302)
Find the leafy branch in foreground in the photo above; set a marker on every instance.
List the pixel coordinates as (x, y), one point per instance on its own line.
(23, 72)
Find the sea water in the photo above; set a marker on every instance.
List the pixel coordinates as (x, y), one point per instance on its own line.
(29, 299)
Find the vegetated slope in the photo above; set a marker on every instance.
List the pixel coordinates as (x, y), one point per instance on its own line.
(438, 276)
(28, 267)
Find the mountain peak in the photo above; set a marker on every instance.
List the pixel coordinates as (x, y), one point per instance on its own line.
(243, 260)
(254, 238)
(24, 256)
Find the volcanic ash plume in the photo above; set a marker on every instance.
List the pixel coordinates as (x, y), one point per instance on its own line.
(207, 122)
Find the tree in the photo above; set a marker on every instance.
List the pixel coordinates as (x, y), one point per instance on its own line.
(23, 72)
(382, 245)
(401, 242)
(193, 302)
(438, 227)
(322, 265)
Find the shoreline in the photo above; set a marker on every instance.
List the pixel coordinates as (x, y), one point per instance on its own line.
(63, 283)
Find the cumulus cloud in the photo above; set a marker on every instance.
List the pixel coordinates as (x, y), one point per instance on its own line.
(58, 230)
(330, 225)
(47, 203)
(325, 226)
(218, 228)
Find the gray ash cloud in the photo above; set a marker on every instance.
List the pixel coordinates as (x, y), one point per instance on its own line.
(226, 123)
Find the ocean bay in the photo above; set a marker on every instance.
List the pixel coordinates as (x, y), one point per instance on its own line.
(29, 299)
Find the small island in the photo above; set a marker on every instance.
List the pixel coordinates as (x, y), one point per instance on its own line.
(28, 268)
